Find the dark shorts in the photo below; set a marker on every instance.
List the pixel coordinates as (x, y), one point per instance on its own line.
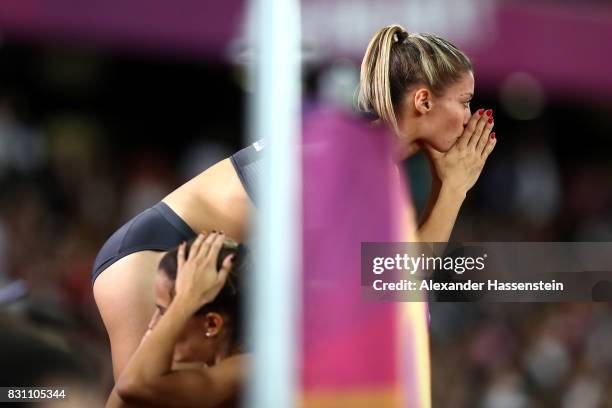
(155, 229)
(248, 165)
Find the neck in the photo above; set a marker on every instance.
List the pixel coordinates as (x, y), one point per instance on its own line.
(407, 138)
(224, 352)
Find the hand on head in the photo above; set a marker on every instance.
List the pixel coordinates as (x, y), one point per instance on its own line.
(197, 277)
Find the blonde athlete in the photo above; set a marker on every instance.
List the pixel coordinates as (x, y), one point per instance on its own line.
(421, 85)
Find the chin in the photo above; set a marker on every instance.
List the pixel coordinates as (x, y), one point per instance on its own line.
(447, 144)
(442, 148)
(441, 144)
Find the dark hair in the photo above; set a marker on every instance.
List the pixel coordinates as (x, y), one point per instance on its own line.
(229, 301)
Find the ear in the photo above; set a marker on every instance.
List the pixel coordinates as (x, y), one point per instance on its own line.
(213, 323)
(423, 100)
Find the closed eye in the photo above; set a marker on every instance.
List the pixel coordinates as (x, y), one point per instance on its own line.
(469, 96)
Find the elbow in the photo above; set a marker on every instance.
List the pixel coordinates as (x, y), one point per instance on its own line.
(127, 390)
(132, 391)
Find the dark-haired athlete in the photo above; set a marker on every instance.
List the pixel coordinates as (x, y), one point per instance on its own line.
(191, 356)
(124, 271)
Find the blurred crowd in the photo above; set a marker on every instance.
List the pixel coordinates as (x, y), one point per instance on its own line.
(68, 179)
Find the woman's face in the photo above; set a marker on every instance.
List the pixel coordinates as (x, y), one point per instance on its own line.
(198, 341)
(442, 124)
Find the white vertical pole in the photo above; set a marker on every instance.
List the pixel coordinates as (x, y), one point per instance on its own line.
(275, 305)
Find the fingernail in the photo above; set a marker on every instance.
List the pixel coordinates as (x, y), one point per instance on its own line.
(489, 112)
(490, 120)
(480, 112)
(493, 135)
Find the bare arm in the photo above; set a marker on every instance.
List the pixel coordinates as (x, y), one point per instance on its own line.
(149, 378)
(437, 225)
(115, 401)
(434, 193)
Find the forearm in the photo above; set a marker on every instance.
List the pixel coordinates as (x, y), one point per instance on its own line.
(437, 224)
(153, 358)
(434, 193)
(200, 387)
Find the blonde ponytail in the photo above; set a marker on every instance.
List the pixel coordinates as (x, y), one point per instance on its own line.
(374, 86)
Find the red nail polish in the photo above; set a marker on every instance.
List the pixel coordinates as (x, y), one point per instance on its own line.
(490, 120)
(480, 112)
(489, 112)
(493, 135)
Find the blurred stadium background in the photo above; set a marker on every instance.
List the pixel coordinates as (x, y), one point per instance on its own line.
(107, 106)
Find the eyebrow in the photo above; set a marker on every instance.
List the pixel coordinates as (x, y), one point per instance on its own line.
(471, 95)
